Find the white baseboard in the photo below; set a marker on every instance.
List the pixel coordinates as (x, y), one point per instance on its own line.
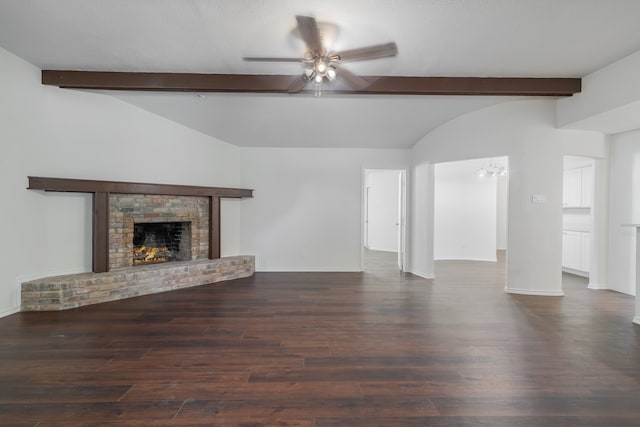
(636, 320)
(535, 292)
(423, 275)
(596, 286)
(495, 259)
(29, 277)
(9, 312)
(305, 270)
(371, 248)
(575, 272)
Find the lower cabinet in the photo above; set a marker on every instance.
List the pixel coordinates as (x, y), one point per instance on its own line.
(576, 250)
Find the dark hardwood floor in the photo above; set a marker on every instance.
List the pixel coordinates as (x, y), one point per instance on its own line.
(381, 348)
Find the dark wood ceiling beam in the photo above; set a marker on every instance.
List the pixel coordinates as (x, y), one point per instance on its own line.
(91, 186)
(185, 82)
(510, 86)
(259, 83)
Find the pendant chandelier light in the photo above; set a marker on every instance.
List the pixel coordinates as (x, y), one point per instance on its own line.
(492, 169)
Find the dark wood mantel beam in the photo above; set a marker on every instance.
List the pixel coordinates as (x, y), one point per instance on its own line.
(100, 227)
(91, 186)
(263, 83)
(101, 190)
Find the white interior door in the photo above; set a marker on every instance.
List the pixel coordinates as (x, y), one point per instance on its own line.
(366, 217)
(401, 224)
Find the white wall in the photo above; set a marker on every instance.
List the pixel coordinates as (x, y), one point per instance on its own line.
(624, 209)
(465, 212)
(525, 131)
(383, 190)
(420, 220)
(502, 210)
(46, 131)
(307, 210)
(609, 101)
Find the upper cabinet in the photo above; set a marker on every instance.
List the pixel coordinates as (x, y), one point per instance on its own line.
(572, 191)
(578, 184)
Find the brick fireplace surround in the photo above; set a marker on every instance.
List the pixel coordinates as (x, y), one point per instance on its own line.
(125, 210)
(113, 249)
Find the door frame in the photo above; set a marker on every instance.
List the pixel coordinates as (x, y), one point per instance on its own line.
(402, 215)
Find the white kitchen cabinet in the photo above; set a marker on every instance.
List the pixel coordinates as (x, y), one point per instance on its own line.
(572, 190)
(576, 250)
(571, 249)
(577, 187)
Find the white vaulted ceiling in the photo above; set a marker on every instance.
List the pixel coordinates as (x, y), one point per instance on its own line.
(516, 38)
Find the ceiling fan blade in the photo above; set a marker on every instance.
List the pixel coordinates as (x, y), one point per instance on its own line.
(267, 59)
(308, 28)
(298, 84)
(369, 52)
(356, 82)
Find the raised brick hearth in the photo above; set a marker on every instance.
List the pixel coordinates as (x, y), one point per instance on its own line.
(76, 290)
(147, 238)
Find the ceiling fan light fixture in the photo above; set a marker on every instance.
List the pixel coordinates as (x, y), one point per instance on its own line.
(309, 73)
(321, 68)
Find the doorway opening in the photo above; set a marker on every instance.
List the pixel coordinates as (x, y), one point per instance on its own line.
(470, 215)
(384, 220)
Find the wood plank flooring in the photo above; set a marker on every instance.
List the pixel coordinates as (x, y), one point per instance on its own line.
(380, 348)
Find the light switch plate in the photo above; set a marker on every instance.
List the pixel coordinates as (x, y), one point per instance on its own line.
(538, 199)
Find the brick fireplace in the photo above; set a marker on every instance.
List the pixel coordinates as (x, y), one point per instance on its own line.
(147, 238)
(129, 213)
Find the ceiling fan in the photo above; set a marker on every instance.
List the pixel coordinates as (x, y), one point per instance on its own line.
(322, 65)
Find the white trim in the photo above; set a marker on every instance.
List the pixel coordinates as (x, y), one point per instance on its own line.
(533, 292)
(575, 272)
(597, 287)
(403, 207)
(306, 270)
(636, 320)
(381, 250)
(466, 259)
(36, 276)
(9, 312)
(428, 276)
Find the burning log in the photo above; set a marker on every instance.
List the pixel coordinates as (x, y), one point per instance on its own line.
(145, 255)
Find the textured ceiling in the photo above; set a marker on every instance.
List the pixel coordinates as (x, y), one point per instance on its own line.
(519, 38)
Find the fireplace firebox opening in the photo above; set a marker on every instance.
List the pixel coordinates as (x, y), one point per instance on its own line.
(158, 242)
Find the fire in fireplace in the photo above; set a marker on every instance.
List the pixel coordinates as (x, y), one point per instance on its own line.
(157, 242)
